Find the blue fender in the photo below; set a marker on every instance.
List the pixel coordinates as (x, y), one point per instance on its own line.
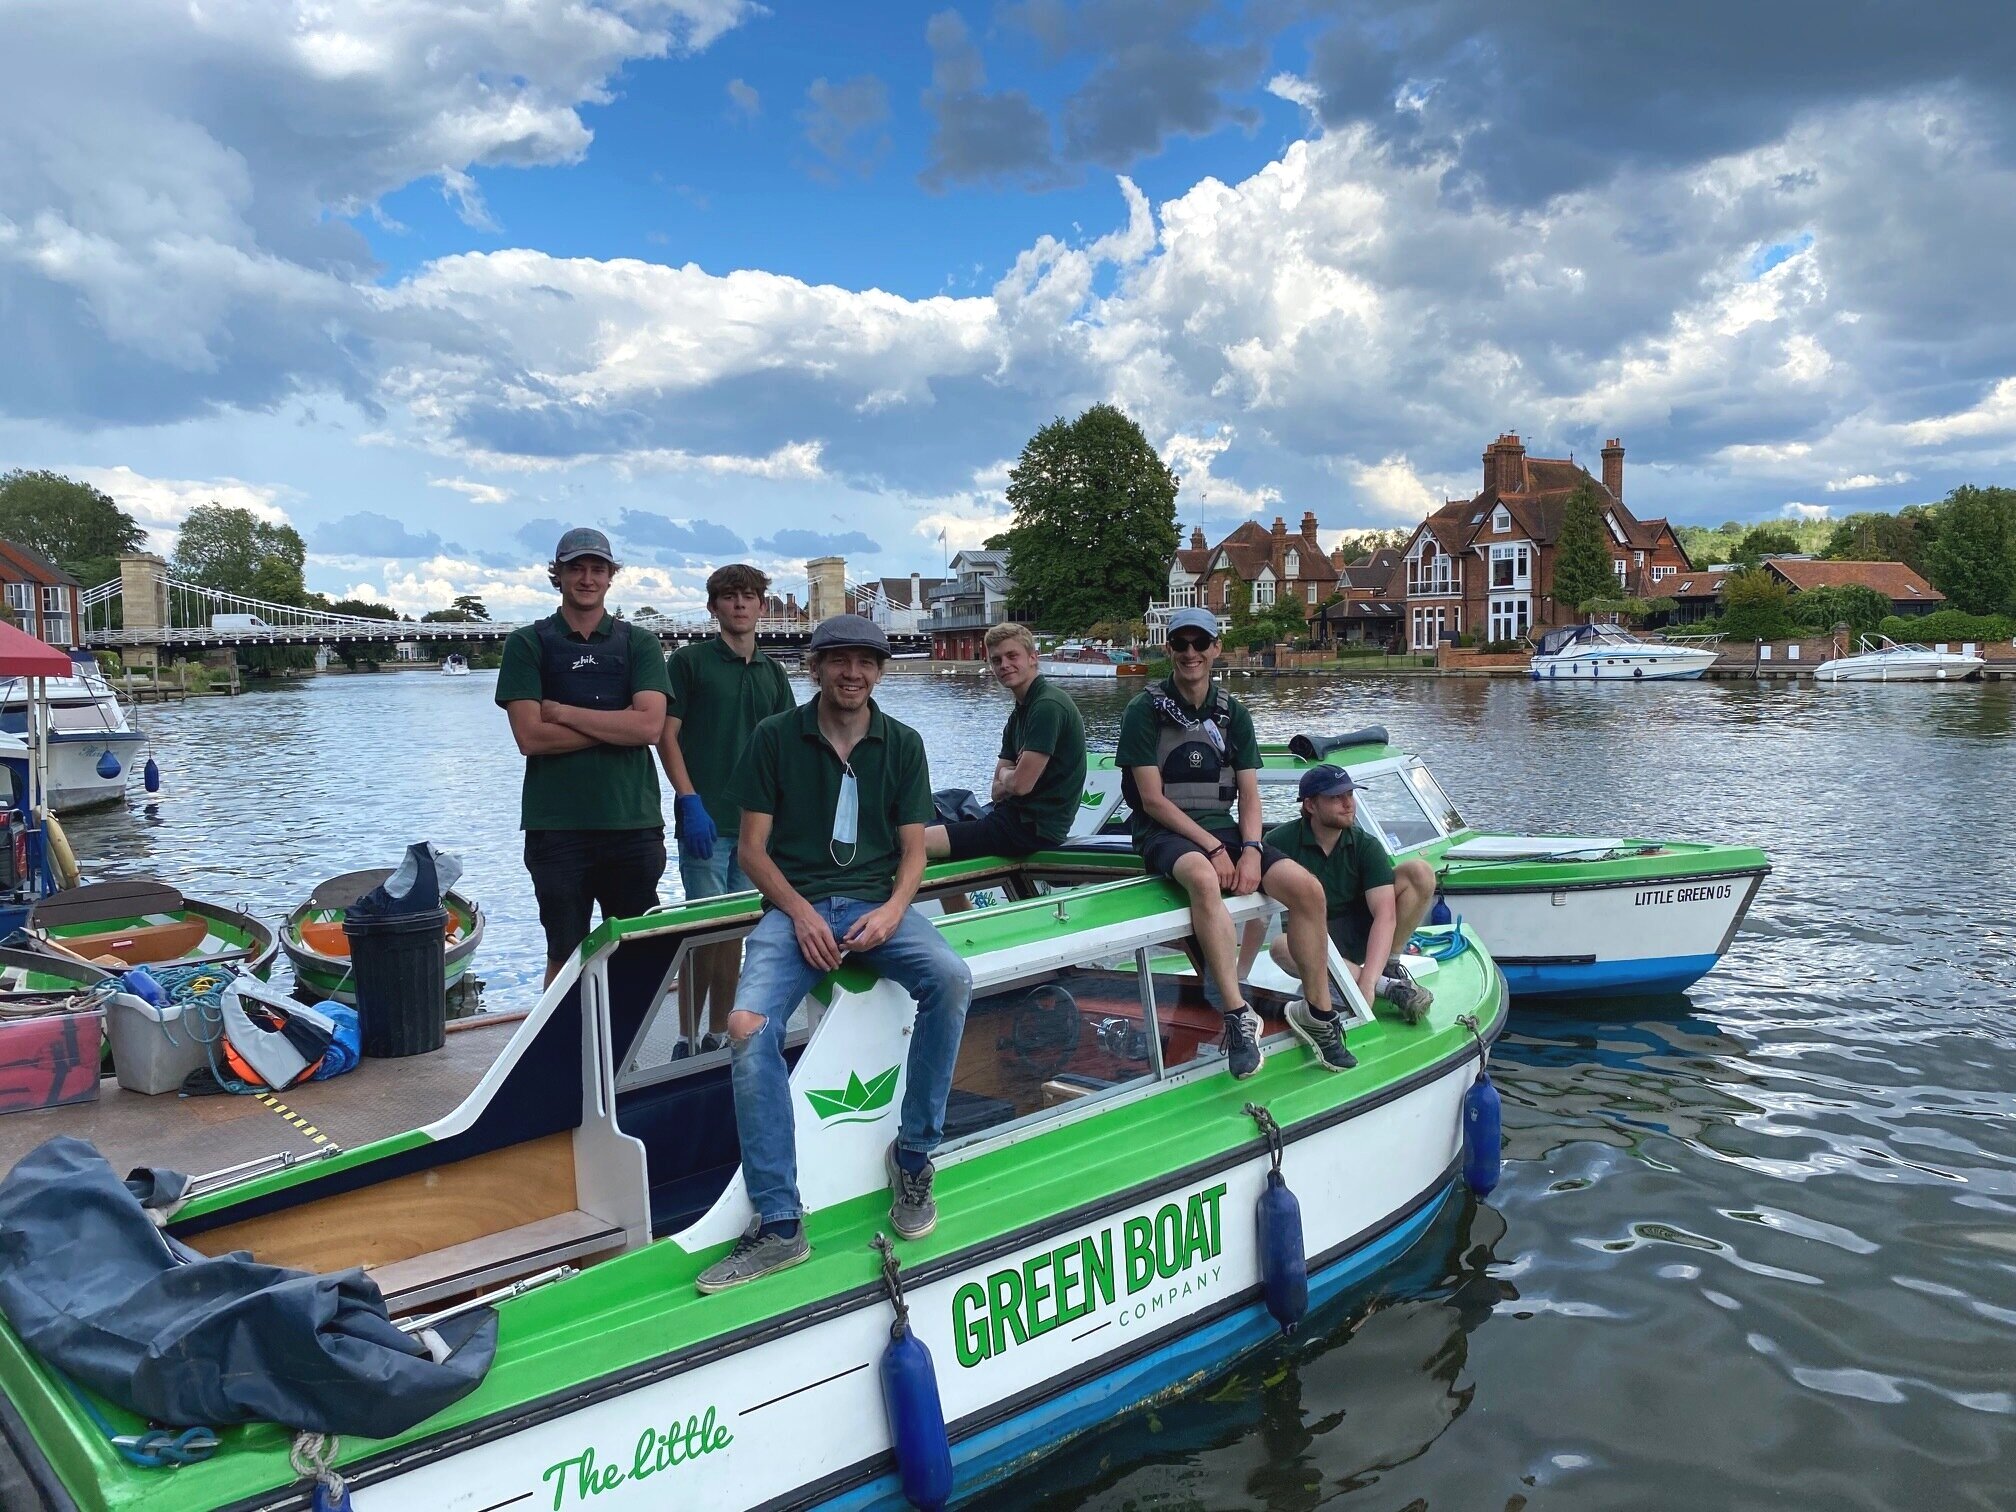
(916, 1420)
(1284, 1267)
(1482, 1135)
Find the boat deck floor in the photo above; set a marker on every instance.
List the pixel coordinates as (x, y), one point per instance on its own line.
(378, 1099)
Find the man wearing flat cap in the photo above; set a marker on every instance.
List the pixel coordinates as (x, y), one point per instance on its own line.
(585, 694)
(834, 796)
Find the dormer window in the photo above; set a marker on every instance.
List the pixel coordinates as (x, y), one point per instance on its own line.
(1291, 564)
(1616, 530)
(1501, 522)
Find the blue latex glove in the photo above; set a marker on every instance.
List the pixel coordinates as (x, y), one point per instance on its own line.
(693, 826)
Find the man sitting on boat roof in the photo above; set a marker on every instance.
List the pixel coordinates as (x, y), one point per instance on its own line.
(1187, 754)
(834, 797)
(1040, 772)
(1365, 896)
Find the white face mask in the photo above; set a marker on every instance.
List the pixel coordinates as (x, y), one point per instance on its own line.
(846, 817)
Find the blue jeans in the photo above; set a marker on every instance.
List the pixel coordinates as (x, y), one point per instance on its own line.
(719, 873)
(775, 978)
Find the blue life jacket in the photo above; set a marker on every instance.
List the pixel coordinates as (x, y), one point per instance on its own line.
(590, 674)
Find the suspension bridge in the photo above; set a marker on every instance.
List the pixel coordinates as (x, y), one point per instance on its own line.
(148, 612)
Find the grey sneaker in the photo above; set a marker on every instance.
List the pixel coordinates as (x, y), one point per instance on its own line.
(1242, 1043)
(1324, 1036)
(713, 1040)
(1404, 993)
(756, 1255)
(912, 1212)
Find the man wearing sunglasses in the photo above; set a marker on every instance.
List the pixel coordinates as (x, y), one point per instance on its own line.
(1188, 755)
(834, 796)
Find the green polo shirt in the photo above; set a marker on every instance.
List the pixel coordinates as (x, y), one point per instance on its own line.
(605, 787)
(1140, 733)
(1046, 720)
(1356, 864)
(719, 699)
(792, 773)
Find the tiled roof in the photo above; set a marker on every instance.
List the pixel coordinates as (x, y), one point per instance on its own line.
(1893, 580)
(1705, 582)
(1250, 547)
(40, 568)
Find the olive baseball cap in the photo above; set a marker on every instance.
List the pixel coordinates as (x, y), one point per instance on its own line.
(583, 540)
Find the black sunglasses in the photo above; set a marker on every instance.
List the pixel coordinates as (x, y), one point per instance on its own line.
(1188, 643)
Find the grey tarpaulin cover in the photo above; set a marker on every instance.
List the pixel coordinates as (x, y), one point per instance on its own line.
(95, 1289)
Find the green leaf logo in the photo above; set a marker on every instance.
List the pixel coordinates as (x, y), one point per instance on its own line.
(857, 1102)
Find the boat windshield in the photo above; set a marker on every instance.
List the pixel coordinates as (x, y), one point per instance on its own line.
(1405, 811)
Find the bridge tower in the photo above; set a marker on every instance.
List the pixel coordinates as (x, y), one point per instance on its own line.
(143, 598)
(826, 585)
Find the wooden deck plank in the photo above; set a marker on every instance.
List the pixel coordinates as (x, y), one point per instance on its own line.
(378, 1099)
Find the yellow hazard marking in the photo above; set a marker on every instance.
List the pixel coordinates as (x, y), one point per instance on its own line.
(293, 1118)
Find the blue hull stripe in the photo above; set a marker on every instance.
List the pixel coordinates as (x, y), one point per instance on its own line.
(1649, 978)
(1046, 1424)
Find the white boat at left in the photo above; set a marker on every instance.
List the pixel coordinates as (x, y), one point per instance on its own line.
(1604, 653)
(93, 749)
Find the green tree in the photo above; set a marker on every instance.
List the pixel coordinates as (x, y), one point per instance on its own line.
(1095, 521)
(1756, 605)
(469, 605)
(1875, 537)
(235, 551)
(1582, 563)
(78, 528)
(1763, 541)
(1973, 559)
(356, 608)
(1860, 609)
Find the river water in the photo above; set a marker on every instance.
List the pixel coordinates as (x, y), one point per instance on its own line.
(1754, 1247)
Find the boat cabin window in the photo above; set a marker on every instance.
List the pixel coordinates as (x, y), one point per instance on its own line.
(1048, 1044)
(1433, 799)
(1392, 809)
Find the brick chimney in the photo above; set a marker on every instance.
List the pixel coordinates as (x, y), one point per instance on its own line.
(1309, 523)
(1337, 559)
(1280, 528)
(1613, 467)
(1508, 472)
(1196, 538)
(791, 605)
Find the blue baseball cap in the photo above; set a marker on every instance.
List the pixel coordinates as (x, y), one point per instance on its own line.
(1192, 619)
(1322, 781)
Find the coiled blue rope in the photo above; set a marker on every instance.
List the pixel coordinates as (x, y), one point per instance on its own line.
(157, 1448)
(1438, 946)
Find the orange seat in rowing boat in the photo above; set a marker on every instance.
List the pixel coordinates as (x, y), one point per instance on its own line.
(326, 937)
(145, 945)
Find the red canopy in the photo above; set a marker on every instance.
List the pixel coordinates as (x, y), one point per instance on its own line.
(21, 655)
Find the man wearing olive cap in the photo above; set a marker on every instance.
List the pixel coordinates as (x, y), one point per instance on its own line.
(585, 694)
(834, 797)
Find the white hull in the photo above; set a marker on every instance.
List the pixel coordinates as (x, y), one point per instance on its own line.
(1891, 669)
(1625, 666)
(799, 1415)
(1646, 937)
(74, 782)
(1051, 668)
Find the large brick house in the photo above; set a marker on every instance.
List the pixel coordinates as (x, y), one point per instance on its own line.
(1272, 563)
(1485, 565)
(42, 597)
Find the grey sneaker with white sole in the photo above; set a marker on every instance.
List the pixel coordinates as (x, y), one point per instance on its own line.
(1324, 1036)
(756, 1255)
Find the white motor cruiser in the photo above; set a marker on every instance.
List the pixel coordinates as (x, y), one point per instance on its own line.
(1883, 660)
(453, 665)
(92, 747)
(1596, 653)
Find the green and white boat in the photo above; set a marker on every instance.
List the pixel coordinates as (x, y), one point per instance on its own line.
(1563, 915)
(319, 951)
(29, 980)
(1097, 1245)
(137, 922)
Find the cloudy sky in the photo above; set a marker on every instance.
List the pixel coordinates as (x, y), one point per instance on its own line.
(429, 279)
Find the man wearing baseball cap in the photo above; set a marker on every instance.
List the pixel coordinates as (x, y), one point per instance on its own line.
(834, 796)
(1361, 893)
(1188, 755)
(585, 694)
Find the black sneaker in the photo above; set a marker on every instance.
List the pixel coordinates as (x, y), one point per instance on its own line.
(1404, 993)
(912, 1212)
(1324, 1036)
(1242, 1043)
(756, 1255)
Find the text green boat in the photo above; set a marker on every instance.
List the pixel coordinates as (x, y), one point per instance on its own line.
(1097, 1244)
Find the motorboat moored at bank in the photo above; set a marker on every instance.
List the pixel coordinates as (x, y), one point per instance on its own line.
(1883, 660)
(1605, 653)
(93, 748)
(1098, 1244)
(1563, 915)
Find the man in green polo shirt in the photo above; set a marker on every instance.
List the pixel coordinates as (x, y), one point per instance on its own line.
(834, 797)
(1039, 775)
(585, 694)
(1366, 903)
(721, 690)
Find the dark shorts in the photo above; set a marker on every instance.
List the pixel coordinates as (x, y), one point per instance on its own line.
(574, 870)
(1350, 930)
(1001, 832)
(1163, 849)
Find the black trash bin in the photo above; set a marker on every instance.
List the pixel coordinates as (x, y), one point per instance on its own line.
(401, 969)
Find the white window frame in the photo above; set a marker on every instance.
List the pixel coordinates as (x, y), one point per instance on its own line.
(1311, 595)
(21, 597)
(1519, 560)
(1660, 574)
(1620, 565)
(1291, 563)
(1616, 530)
(1501, 522)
